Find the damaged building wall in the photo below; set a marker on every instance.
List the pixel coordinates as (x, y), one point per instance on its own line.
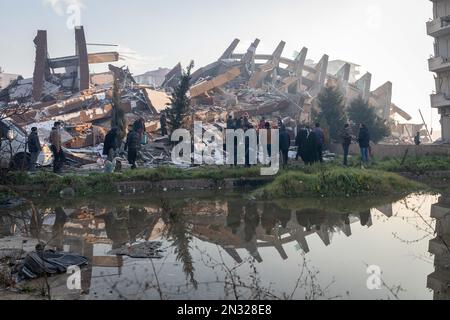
(439, 29)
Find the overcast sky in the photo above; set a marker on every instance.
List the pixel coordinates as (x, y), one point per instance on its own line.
(387, 38)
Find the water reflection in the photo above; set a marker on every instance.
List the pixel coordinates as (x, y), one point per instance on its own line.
(439, 280)
(191, 229)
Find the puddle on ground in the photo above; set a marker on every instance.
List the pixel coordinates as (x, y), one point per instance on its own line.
(227, 249)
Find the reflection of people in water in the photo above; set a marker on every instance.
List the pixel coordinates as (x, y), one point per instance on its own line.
(346, 219)
(268, 218)
(116, 226)
(364, 217)
(310, 218)
(139, 219)
(58, 229)
(235, 210)
(251, 222)
(284, 216)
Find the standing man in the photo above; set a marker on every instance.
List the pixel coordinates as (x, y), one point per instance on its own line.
(110, 146)
(230, 123)
(262, 123)
(34, 147)
(364, 143)
(285, 143)
(163, 122)
(301, 143)
(320, 139)
(346, 138)
(417, 139)
(132, 145)
(56, 148)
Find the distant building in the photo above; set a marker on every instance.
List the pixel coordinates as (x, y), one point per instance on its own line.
(439, 29)
(6, 78)
(153, 78)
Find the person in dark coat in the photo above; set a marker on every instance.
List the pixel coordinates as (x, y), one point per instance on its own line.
(320, 139)
(132, 145)
(110, 146)
(230, 123)
(163, 122)
(56, 148)
(246, 122)
(417, 141)
(364, 143)
(346, 138)
(285, 143)
(301, 142)
(268, 127)
(34, 147)
(239, 123)
(311, 149)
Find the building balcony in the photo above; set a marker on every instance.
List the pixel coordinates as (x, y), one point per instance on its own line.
(440, 100)
(439, 64)
(439, 27)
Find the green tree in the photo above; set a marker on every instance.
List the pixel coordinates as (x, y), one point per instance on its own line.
(180, 102)
(360, 112)
(118, 114)
(331, 113)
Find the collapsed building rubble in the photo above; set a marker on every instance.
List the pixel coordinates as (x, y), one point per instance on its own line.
(251, 84)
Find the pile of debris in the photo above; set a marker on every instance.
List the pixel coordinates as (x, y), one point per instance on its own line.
(259, 86)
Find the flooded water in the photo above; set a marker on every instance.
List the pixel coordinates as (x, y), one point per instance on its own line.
(235, 249)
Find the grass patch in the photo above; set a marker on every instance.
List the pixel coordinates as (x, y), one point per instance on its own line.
(102, 183)
(418, 165)
(337, 182)
(330, 180)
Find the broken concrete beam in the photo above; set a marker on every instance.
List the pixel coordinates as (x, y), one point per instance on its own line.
(157, 101)
(344, 73)
(265, 109)
(83, 64)
(93, 58)
(229, 51)
(218, 81)
(209, 69)
(381, 99)
(276, 56)
(93, 114)
(249, 57)
(40, 66)
(401, 112)
(320, 76)
(123, 75)
(364, 84)
(263, 71)
(173, 77)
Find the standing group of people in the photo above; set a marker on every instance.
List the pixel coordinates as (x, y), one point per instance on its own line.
(35, 148)
(310, 144)
(113, 142)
